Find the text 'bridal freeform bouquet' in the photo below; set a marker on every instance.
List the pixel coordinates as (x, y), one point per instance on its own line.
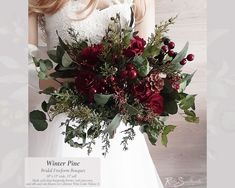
(123, 78)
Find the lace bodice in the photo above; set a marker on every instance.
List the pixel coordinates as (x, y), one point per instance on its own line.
(92, 28)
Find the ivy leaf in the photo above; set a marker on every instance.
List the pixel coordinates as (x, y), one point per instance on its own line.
(38, 119)
(187, 102)
(167, 129)
(69, 134)
(192, 119)
(101, 99)
(191, 116)
(114, 124)
(66, 60)
(186, 79)
(131, 109)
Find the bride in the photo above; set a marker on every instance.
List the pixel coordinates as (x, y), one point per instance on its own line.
(133, 168)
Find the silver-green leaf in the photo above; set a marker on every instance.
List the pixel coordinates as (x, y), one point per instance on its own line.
(66, 60)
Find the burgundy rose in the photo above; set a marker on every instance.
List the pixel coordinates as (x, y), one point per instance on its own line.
(142, 92)
(156, 103)
(90, 55)
(136, 47)
(86, 84)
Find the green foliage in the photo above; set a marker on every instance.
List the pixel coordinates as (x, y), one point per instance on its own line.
(101, 99)
(38, 119)
(167, 129)
(88, 121)
(66, 60)
(113, 125)
(179, 57)
(142, 65)
(186, 79)
(153, 130)
(131, 109)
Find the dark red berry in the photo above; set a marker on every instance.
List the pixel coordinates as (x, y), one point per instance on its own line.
(93, 91)
(171, 53)
(190, 57)
(111, 79)
(166, 40)
(103, 89)
(171, 45)
(130, 66)
(132, 74)
(165, 48)
(124, 74)
(183, 62)
(103, 81)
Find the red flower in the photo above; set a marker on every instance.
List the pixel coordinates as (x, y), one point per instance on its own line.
(152, 100)
(90, 55)
(156, 103)
(136, 47)
(87, 84)
(142, 92)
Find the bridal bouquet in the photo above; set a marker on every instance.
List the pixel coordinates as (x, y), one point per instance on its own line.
(122, 79)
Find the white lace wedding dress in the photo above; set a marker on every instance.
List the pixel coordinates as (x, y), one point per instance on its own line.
(119, 169)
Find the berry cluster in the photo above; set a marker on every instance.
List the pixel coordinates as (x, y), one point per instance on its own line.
(167, 49)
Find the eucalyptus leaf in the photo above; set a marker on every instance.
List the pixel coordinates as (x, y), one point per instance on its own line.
(102, 99)
(131, 109)
(62, 43)
(52, 55)
(42, 75)
(43, 67)
(48, 91)
(38, 119)
(44, 106)
(180, 56)
(48, 64)
(144, 69)
(66, 60)
(113, 125)
(64, 74)
(36, 62)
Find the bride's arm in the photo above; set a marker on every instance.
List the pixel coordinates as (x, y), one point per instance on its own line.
(33, 29)
(147, 25)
